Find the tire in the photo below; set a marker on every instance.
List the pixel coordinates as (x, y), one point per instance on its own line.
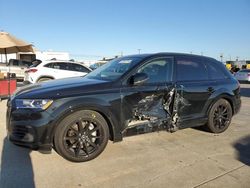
(44, 79)
(220, 116)
(81, 136)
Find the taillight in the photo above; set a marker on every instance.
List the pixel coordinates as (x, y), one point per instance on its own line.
(30, 70)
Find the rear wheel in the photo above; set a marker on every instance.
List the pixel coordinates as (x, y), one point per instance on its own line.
(44, 79)
(81, 136)
(220, 116)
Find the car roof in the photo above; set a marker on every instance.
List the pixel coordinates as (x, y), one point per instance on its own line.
(149, 55)
(59, 61)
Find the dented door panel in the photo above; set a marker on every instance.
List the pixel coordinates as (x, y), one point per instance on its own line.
(147, 108)
(192, 99)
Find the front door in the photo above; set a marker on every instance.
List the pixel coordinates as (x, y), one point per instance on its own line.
(146, 104)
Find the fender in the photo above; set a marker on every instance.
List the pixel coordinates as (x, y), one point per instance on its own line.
(218, 94)
(65, 107)
(47, 76)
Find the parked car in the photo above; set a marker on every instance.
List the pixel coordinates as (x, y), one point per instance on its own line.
(243, 75)
(50, 70)
(129, 95)
(15, 67)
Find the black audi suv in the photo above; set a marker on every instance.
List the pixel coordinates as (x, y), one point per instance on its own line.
(129, 95)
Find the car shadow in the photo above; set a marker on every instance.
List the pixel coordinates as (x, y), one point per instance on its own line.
(242, 146)
(16, 167)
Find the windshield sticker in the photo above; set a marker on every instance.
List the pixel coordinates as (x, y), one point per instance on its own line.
(125, 61)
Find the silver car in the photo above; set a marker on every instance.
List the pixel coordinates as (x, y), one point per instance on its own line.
(243, 75)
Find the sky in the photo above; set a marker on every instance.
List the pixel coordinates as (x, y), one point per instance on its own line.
(90, 29)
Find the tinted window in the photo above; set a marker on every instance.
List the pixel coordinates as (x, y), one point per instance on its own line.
(158, 71)
(49, 65)
(59, 65)
(78, 68)
(189, 69)
(15, 63)
(215, 71)
(36, 63)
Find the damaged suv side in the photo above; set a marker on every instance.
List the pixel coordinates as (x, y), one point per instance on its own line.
(129, 95)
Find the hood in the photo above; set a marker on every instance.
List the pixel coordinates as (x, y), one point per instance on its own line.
(61, 88)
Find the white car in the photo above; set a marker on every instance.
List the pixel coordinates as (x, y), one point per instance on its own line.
(243, 75)
(49, 70)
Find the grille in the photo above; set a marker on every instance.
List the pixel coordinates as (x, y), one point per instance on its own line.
(20, 132)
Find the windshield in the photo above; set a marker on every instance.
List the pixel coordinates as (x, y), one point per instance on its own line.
(114, 69)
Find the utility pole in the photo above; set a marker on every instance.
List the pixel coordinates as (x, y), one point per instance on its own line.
(221, 57)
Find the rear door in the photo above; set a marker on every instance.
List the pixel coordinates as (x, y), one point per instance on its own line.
(193, 89)
(145, 103)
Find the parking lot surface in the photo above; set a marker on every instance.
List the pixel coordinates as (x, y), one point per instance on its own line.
(186, 158)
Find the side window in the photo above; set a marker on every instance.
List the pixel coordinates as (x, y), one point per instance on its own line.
(49, 65)
(61, 66)
(158, 71)
(189, 69)
(15, 63)
(78, 68)
(215, 71)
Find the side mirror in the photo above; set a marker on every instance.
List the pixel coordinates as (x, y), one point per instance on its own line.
(138, 79)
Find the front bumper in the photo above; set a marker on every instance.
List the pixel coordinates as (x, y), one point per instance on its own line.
(28, 128)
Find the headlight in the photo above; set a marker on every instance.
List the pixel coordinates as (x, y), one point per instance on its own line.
(42, 104)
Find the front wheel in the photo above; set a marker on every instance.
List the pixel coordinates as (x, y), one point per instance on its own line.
(220, 116)
(81, 136)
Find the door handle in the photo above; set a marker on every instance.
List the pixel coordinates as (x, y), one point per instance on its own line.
(210, 89)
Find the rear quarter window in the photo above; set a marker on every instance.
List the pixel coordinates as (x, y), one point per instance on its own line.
(216, 71)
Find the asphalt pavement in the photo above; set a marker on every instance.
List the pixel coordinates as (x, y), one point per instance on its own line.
(186, 158)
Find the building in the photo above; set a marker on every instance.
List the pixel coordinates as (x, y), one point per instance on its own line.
(29, 56)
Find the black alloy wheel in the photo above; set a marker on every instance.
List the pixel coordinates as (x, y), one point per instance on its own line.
(220, 116)
(81, 136)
